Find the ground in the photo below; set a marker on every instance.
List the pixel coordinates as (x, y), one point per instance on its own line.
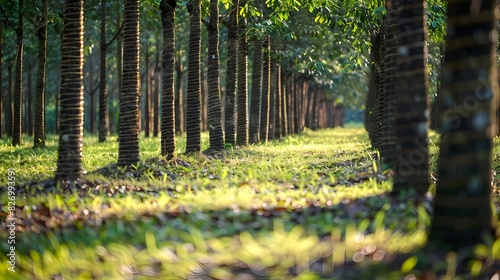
(308, 206)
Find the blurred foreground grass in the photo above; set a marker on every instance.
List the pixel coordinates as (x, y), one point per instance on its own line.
(308, 206)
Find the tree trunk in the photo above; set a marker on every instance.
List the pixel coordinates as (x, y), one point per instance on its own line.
(69, 163)
(214, 103)
(128, 132)
(147, 103)
(278, 121)
(387, 145)
(2, 105)
(41, 33)
(232, 63)
(156, 102)
(179, 96)
(193, 109)
(103, 87)
(28, 113)
(272, 99)
(242, 86)
(254, 136)
(284, 100)
(18, 89)
(266, 88)
(168, 62)
(462, 208)
(119, 70)
(412, 119)
(9, 118)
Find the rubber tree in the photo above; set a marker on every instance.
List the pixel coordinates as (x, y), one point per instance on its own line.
(18, 85)
(193, 101)
(41, 34)
(412, 119)
(69, 160)
(168, 8)
(128, 132)
(216, 133)
(232, 69)
(462, 207)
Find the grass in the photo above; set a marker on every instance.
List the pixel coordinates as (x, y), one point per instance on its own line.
(308, 206)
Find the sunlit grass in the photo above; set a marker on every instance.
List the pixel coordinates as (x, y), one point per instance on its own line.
(284, 204)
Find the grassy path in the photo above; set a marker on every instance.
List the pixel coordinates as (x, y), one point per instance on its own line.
(309, 206)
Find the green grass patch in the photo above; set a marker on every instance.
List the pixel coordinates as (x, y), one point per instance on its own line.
(307, 206)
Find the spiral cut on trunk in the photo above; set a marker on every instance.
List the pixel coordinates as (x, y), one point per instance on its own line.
(128, 151)
(193, 101)
(232, 69)
(69, 163)
(214, 104)
(168, 91)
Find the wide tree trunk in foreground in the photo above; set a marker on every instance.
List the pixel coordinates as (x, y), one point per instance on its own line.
(69, 161)
(411, 168)
(462, 207)
(128, 132)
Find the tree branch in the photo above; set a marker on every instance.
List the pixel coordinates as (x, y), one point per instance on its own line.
(116, 36)
(8, 20)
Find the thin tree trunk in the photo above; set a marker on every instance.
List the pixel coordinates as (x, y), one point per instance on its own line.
(214, 103)
(168, 62)
(284, 104)
(232, 64)
(119, 69)
(103, 87)
(179, 96)
(156, 102)
(272, 100)
(91, 96)
(266, 88)
(242, 86)
(1, 81)
(9, 118)
(18, 89)
(254, 136)
(193, 110)
(28, 128)
(278, 121)
(128, 150)
(69, 162)
(147, 105)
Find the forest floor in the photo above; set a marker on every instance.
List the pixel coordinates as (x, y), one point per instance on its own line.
(308, 206)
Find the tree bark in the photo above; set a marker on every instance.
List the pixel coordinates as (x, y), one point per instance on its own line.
(18, 88)
(103, 87)
(232, 64)
(168, 62)
(266, 88)
(193, 109)
(462, 208)
(214, 103)
(69, 163)
(242, 86)
(128, 132)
